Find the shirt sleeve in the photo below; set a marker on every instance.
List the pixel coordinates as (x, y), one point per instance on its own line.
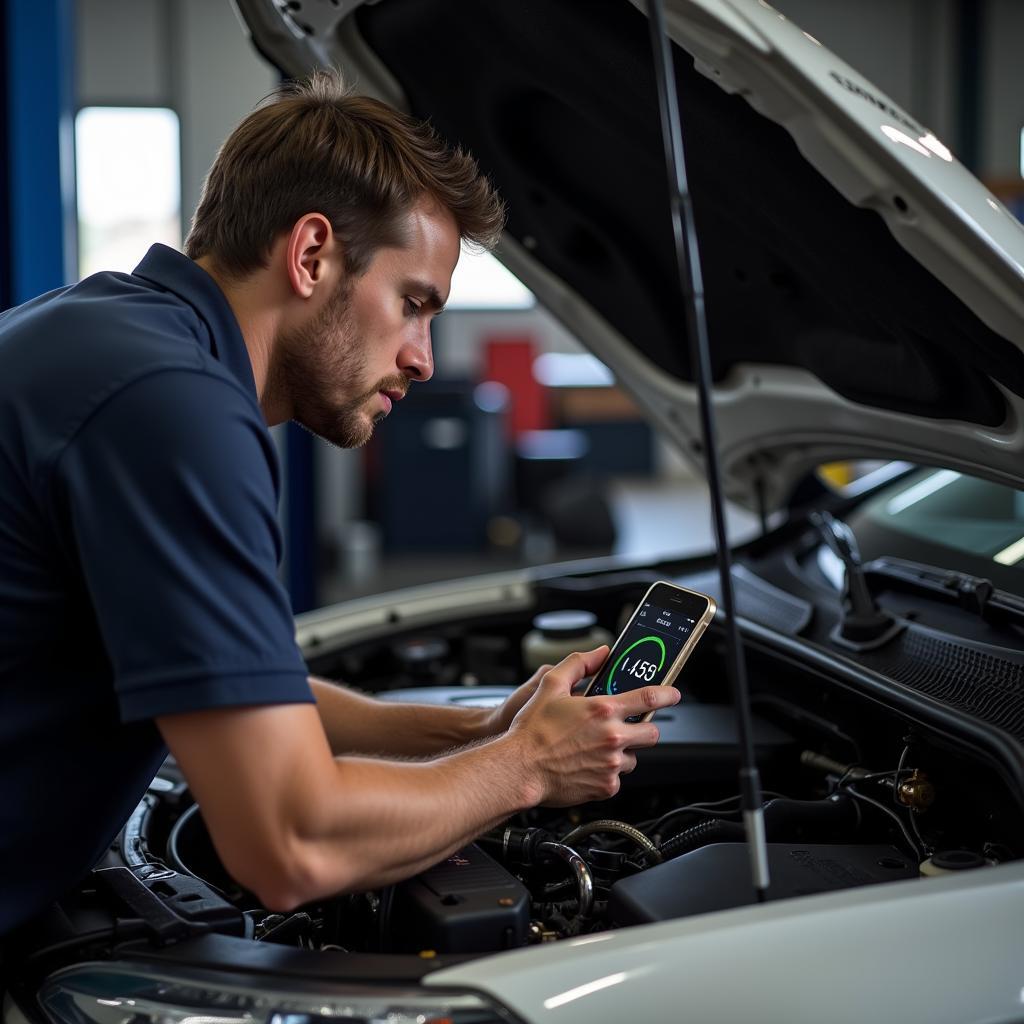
(169, 495)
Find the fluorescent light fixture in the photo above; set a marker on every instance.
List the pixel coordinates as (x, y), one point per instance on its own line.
(922, 490)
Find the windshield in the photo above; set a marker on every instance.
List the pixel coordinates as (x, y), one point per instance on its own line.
(949, 520)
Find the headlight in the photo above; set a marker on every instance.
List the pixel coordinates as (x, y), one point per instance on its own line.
(96, 993)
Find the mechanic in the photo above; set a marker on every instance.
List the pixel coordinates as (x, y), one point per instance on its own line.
(140, 607)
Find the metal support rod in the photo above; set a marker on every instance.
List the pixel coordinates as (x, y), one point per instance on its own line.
(969, 18)
(691, 284)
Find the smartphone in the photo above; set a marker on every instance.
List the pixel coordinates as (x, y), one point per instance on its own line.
(656, 642)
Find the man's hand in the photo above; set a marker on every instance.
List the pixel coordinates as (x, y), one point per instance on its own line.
(500, 718)
(292, 824)
(575, 749)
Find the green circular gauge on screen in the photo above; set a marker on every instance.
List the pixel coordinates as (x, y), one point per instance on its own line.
(640, 664)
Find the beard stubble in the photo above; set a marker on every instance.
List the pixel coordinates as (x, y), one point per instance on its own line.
(316, 362)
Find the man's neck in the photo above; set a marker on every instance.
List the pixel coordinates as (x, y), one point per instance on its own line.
(258, 321)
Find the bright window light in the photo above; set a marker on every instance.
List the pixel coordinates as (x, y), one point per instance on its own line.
(1012, 554)
(129, 185)
(922, 490)
(481, 282)
(571, 370)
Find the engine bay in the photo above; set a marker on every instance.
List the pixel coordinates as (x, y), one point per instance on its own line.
(856, 793)
(858, 790)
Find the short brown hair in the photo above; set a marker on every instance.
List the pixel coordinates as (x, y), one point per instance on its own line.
(315, 147)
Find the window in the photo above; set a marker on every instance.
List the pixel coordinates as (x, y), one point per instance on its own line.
(481, 282)
(128, 184)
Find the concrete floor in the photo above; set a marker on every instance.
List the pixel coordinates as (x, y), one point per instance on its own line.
(655, 519)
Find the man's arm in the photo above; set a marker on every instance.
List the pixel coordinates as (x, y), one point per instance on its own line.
(293, 824)
(358, 724)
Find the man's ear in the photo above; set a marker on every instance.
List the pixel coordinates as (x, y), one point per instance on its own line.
(312, 254)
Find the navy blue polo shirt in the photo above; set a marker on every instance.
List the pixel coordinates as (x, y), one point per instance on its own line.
(138, 555)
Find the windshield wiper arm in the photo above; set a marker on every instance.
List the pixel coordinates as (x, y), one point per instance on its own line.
(972, 593)
(863, 626)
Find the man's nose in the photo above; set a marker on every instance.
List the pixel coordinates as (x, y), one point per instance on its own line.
(416, 358)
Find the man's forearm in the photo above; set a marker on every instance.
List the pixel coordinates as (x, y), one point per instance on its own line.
(358, 724)
(383, 821)
(293, 824)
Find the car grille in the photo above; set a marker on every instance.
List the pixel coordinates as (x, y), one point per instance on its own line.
(978, 682)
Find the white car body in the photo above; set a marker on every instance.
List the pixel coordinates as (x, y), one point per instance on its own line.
(881, 953)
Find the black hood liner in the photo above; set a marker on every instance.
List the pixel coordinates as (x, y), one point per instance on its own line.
(556, 99)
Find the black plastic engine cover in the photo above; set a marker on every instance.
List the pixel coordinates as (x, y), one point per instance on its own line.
(174, 906)
(699, 739)
(717, 877)
(466, 904)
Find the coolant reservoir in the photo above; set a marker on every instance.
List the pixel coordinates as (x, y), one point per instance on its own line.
(555, 635)
(947, 862)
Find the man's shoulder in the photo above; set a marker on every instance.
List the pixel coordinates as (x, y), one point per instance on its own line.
(67, 354)
(106, 319)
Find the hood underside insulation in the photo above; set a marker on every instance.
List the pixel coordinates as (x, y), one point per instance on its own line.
(556, 99)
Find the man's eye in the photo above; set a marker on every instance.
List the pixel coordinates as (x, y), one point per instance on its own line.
(412, 307)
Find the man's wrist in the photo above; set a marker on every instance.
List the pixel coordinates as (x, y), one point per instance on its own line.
(482, 723)
(520, 768)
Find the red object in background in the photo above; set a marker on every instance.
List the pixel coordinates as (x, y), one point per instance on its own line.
(509, 360)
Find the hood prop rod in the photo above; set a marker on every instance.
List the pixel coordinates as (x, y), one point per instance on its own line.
(691, 284)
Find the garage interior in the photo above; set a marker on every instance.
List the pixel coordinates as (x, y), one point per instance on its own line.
(886, 703)
(114, 114)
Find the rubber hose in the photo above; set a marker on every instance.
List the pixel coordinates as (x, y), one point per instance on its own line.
(715, 830)
(785, 820)
(610, 825)
(581, 871)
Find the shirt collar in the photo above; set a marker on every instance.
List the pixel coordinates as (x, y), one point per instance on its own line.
(170, 269)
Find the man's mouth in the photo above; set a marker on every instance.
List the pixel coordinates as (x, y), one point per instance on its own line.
(390, 396)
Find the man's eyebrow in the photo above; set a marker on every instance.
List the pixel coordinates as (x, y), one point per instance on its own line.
(433, 297)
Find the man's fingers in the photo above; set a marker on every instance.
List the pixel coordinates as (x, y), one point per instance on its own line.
(573, 668)
(539, 674)
(592, 660)
(532, 684)
(580, 687)
(646, 698)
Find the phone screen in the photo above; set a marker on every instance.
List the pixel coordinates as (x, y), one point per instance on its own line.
(651, 642)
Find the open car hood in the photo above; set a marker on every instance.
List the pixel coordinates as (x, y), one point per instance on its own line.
(865, 292)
